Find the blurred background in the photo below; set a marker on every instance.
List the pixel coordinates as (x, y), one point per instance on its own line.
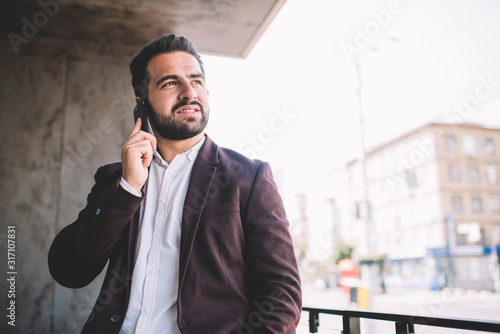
(381, 120)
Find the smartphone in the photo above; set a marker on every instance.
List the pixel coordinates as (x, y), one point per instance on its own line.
(139, 111)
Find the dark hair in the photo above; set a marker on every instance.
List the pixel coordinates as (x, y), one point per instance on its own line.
(164, 44)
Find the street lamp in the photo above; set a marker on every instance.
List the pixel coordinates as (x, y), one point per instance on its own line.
(368, 216)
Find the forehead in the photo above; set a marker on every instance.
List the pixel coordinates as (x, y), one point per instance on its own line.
(177, 62)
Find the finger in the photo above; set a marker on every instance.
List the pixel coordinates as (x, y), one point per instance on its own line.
(147, 156)
(153, 141)
(137, 127)
(141, 135)
(144, 147)
(144, 136)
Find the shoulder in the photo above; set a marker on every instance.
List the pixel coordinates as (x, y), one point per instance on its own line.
(227, 155)
(227, 159)
(243, 170)
(108, 172)
(236, 164)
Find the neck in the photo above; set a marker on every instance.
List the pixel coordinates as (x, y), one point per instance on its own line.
(170, 148)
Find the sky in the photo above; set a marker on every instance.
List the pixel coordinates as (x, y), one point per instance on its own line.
(294, 100)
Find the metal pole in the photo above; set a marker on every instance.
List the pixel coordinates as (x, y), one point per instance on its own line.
(363, 160)
(495, 270)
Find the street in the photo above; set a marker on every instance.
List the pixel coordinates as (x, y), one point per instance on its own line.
(448, 303)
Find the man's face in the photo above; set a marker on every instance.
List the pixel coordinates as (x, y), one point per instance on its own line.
(177, 96)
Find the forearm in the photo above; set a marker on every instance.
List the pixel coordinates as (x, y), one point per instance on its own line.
(80, 251)
(101, 224)
(276, 298)
(273, 277)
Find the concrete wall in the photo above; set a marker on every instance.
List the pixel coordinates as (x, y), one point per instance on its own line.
(60, 120)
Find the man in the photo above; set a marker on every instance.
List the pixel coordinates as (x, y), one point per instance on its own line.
(195, 236)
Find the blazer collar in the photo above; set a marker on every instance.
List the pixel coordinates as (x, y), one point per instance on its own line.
(208, 153)
(202, 176)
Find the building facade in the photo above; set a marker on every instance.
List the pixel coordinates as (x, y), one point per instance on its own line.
(430, 206)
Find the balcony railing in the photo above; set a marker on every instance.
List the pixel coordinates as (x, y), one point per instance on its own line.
(404, 324)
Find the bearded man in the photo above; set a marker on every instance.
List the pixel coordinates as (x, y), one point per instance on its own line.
(195, 236)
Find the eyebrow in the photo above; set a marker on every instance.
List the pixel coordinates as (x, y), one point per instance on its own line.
(176, 77)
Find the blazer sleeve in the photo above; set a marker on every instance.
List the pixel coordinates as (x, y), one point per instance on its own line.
(80, 251)
(273, 276)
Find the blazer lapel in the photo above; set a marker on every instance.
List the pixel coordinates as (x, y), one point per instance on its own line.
(202, 176)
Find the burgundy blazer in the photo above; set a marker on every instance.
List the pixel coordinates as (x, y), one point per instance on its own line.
(237, 269)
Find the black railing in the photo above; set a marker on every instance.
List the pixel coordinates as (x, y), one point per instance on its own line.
(404, 324)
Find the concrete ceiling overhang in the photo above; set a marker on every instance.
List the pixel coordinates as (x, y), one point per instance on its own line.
(113, 30)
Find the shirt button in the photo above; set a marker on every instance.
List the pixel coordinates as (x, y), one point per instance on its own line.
(146, 310)
(115, 318)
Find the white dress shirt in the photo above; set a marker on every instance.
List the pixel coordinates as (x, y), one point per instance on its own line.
(152, 306)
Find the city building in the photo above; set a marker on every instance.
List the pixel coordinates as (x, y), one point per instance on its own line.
(430, 207)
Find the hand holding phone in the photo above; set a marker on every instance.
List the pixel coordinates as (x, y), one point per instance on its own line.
(137, 153)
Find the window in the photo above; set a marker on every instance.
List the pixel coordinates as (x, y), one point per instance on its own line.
(470, 233)
(492, 174)
(473, 173)
(450, 143)
(488, 146)
(495, 204)
(469, 145)
(477, 204)
(454, 172)
(456, 202)
(411, 179)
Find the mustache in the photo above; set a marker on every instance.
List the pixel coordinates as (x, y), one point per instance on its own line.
(185, 103)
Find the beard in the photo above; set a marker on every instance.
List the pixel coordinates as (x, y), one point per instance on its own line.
(171, 128)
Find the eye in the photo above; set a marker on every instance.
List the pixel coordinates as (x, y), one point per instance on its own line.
(169, 83)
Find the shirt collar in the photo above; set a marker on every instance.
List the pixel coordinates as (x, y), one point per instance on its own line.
(191, 154)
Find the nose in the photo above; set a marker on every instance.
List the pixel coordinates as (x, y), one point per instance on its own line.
(187, 92)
